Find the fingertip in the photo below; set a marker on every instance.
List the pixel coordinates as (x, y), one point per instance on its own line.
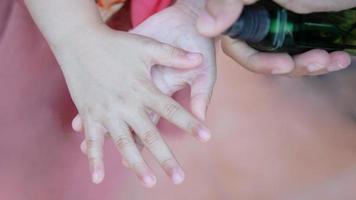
(149, 181)
(98, 176)
(83, 147)
(339, 60)
(175, 57)
(178, 176)
(204, 134)
(77, 124)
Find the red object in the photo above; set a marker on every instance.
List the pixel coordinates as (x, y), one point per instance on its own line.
(142, 9)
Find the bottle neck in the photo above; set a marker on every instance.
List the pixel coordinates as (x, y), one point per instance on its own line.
(252, 26)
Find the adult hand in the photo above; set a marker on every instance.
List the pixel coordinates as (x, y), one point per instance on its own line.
(221, 14)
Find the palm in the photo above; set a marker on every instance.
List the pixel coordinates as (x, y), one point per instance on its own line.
(176, 27)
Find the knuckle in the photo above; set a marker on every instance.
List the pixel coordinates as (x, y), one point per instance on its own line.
(93, 156)
(150, 137)
(137, 166)
(168, 163)
(192, 126)
(150, 48)
(141, 85)
(173, 52)
(122, 141)
(90, 143)
(171, 110)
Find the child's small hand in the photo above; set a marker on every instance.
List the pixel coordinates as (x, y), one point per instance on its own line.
(175, 26)
(109, 77)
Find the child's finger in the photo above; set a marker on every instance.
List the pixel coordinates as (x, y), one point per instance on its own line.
(77, 124)
(138, 142)
(94, 140)
(179, 116)
(139, 145)
(152, 139)
(125, 143)
(167, 55)
(201, 92)
(83, 147)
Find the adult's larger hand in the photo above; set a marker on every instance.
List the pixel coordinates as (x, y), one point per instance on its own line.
(220, 14)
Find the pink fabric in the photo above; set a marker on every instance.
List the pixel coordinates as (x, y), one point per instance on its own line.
(40, 156)
(142, 9)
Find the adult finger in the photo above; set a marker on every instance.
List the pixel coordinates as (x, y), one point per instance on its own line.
(255, 61)
(219, 15)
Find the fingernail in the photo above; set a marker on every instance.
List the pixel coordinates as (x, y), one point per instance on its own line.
(149, 181)
(204, 134)
(206, 22)
(281, 70)
(177, 176)
(315, 67)
(97, 177)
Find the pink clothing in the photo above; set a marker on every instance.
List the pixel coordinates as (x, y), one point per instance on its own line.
(40, 156)
(142, 9)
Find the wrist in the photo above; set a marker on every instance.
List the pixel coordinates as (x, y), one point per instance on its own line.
(75, 33)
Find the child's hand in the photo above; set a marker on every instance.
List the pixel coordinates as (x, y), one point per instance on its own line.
(108, 75)
(175, 26)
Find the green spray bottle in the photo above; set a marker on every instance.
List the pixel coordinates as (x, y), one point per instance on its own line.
(268, 27)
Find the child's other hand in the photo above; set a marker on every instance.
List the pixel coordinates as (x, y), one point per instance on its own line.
(109, 77)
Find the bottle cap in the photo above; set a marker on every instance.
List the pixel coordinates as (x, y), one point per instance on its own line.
(252, 26)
